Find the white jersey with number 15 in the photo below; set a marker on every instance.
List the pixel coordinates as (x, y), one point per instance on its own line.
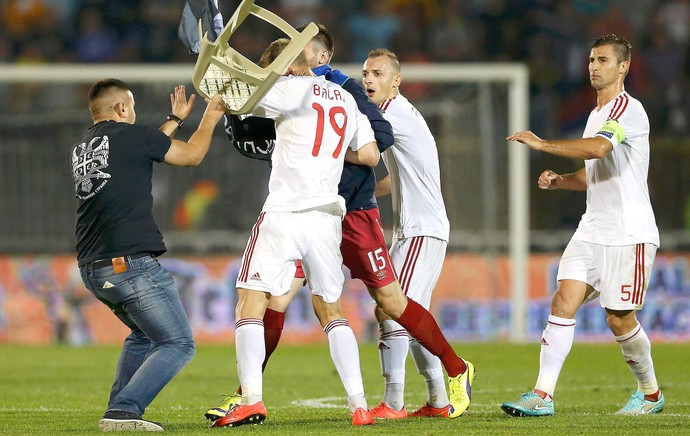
(315, 121)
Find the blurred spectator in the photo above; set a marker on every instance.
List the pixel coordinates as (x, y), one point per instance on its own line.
(612, 20)
(592, 7)
(452, 34)
(501, 30)
(63, 11)
(544, 76)
(95, 41)
(21, 17)
(553, 37)
(663, 63)
(566, 27)
(418, 15)
(298, 12)
(374, 27)
(675, 17)
(160, 32)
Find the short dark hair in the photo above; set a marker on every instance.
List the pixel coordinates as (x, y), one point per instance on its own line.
(323, 38)
(274, 49)
(102, 87)
(620, 45)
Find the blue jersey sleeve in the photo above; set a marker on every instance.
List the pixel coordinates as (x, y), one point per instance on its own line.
(382, 128)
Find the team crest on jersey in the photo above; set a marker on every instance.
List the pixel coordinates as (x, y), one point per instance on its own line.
(88, 162)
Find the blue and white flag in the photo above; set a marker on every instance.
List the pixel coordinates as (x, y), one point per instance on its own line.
(211, 19)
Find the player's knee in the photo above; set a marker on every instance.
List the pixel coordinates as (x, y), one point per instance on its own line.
(391, 307)
(381, 315)
(390, 302)
(620, 322)
(563, 306)
(327, 313)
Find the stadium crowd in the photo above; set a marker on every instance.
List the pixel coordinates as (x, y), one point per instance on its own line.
(549, 35)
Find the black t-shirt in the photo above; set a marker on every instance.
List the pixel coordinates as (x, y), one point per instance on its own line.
(112, 166)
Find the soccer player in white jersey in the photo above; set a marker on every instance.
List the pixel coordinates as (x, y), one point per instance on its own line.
(364, 252)
(610, 255)
(317, 124)
(420, 236)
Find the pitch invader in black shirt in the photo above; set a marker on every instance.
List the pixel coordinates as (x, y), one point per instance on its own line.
(118, 240)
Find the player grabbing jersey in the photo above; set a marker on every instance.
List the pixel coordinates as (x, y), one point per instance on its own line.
(363, 248)
(610, 256)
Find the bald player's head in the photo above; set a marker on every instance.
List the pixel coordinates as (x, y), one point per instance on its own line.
(111, 99)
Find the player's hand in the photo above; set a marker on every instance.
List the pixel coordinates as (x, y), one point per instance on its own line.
(321, 70)
(528, 138)
(215, 108)
(336, 76)
(181, 107)
(548, 180)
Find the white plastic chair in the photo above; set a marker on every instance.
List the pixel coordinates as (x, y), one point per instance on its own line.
(220, 69)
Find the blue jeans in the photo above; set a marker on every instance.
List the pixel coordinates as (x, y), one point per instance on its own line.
(146, 300)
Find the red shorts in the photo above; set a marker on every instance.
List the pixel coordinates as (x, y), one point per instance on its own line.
(364, 248)
(299, 272)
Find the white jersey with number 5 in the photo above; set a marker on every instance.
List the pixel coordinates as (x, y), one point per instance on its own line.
(619, 211)
(412, 163)
(315, 121)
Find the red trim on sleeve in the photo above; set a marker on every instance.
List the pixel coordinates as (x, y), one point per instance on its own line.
(619, 106)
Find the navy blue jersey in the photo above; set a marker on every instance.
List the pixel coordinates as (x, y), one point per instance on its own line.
(254, 137)
(112, 166)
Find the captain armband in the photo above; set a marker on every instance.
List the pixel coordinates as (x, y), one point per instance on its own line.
(612, 130)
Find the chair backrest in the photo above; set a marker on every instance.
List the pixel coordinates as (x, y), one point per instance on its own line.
(220, 69)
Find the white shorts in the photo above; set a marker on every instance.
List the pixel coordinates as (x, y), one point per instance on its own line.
(619, 275)
(279, 239)
(418, 262)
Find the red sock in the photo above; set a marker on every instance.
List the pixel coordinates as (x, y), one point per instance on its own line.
(653, 397)
(544, 396)
(421, 325)
(273, 328)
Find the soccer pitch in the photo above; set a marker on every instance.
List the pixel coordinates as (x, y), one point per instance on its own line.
(61, 390)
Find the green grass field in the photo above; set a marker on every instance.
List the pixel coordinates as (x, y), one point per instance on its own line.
(63, 390)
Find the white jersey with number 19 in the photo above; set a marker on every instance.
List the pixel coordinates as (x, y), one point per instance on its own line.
(314, 123)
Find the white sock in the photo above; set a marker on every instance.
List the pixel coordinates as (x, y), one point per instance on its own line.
(429, 366)
(345, 354)
(250, 350)
(637, 352)
(556, 342)
(393, 348)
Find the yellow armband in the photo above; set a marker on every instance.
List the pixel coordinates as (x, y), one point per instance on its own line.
(611, 129)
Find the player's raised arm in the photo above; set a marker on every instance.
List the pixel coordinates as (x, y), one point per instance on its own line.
(181, 107)
(191, 153)
(583, 148)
